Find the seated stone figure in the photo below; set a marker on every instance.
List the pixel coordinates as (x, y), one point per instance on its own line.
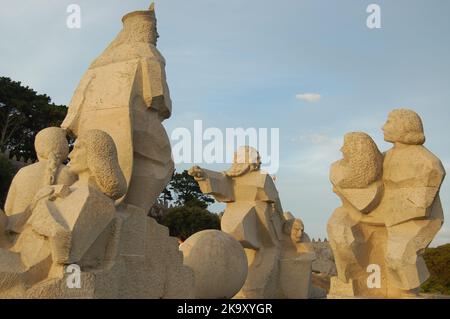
(66, 220)
(254, 217)
(390, 224)
(120, 251)
(52, 149)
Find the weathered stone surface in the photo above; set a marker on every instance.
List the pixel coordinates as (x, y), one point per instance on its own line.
(390, 210)
(120, 251)
(324, 262)
(218, 261)
(124, 93)
(52, 149)
(277, 248)
(90, 217)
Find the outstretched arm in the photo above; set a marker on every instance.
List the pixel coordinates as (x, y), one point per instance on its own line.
(213, 183)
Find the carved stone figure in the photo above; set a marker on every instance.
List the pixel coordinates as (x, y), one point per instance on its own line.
(390, 210)
(255, 218)
(66, 220)
(83, 231)
(52, 149)
(114, 248)
(124, 93)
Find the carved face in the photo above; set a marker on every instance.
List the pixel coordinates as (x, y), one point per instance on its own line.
(297, 231)
(78, 158)
(391, 129)
(404, 126)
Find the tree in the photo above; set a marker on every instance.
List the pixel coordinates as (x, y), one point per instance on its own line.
(6, 176)
(189, 214)
(182, 189)
(187, 220)
(185, 188)
(23, 113)
(438, 261)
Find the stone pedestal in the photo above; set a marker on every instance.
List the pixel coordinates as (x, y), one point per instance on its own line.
(141, 261)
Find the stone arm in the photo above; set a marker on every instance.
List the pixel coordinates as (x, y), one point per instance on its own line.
(75, 108)
(410, 203)
(46, 221)
(214, 183)
(364, 200)
(414, 198)
(154, 87)
(44, 217)
(269, 193)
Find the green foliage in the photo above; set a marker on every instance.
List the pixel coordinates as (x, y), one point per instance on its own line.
(23, 113)
(438, 263)
(6, 176)
(185, 188)
(189, 214)
(189, 219)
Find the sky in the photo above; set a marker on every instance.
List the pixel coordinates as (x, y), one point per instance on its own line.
(311, 68)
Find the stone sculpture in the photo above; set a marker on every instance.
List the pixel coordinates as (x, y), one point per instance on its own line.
(52, 149)
(278, 255)
(218, 261)
(115, 248)
(390, 211)
(82, 231)
(124, 93)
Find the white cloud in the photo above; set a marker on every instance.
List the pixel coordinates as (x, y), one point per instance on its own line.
(309, 97)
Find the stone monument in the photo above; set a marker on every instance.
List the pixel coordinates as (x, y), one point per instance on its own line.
(279, 256)
(390, 211)
(124, 93)
(82, 231)
(52, 148)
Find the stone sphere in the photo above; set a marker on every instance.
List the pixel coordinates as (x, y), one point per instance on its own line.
(218, 261)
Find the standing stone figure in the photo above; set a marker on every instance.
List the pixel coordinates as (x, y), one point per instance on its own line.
(391, 211)
(279, 265)
(124, 93)
(83, 230)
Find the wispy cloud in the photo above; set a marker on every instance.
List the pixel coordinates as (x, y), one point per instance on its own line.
(309, 97)
(318, 151)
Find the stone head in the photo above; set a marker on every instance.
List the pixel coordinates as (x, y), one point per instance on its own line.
(141, 26)
(294, 228)
(95, 153)
(51, 141)
(246, 159)
(362, 161)
(404, 126)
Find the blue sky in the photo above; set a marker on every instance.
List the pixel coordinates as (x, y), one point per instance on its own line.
(239, 63)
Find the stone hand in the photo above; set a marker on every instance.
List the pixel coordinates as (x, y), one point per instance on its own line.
(197, 173)
(44, 192)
